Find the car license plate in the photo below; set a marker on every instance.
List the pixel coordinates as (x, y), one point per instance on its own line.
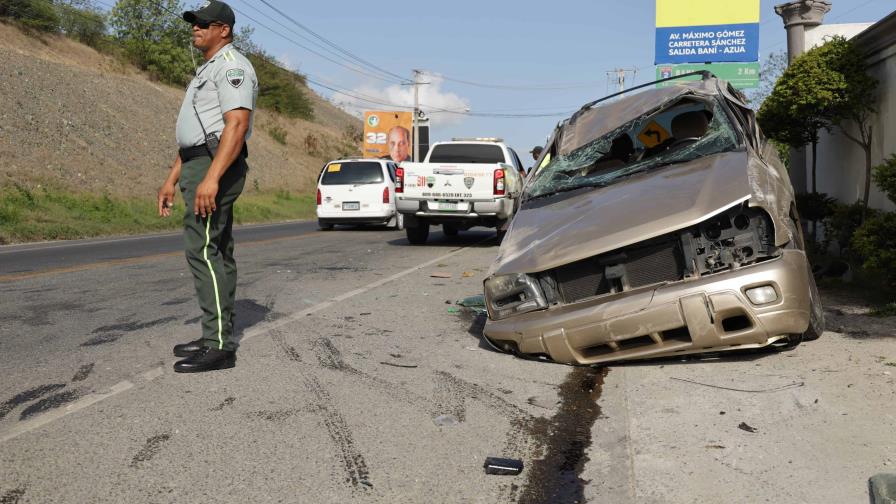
(351, 205)
(452, 206)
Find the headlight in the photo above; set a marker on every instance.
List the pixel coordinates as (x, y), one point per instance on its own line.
(508, 295)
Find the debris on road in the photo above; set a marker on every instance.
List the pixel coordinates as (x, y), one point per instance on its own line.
(439, 274)
(453, 310)
(446, 420)
(468, 274)
(395, 364)
(475, 303)
(503, 466)
(761, 391)
(745, 427)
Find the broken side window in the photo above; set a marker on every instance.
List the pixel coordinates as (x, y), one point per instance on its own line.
(685, 130)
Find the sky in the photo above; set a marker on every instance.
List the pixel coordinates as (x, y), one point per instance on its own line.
(494, 58)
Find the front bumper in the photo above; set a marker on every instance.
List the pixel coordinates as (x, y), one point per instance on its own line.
(501, 208)
(707, 314)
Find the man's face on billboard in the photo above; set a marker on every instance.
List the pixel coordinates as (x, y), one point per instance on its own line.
(398, 145)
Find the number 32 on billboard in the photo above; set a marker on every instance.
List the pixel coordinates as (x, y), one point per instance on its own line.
(376, 138)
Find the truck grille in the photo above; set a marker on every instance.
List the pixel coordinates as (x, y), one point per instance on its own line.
(646, 263)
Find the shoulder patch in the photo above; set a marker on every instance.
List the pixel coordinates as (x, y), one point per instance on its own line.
(235, 76)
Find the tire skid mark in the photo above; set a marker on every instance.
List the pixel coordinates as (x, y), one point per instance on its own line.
(226, 402)
(52, 402)
(288, 349)
(341, 435)
(520, 441)
(12, 496)
(83, 372)
(351, 460)
(27, 396)
(329, 357)
(150, 449)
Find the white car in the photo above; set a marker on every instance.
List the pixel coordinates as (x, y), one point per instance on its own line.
(357, 191)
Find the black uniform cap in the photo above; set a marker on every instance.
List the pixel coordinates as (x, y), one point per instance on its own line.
(211, 11)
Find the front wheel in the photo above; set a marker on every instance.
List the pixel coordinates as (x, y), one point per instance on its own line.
(418, 234)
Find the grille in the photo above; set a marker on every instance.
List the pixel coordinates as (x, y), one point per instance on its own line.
(642, 264)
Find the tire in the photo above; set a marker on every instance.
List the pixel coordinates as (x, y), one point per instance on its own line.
(449, 230)
(324, 226)
(418, 235)
(816, 313)
(500, 234)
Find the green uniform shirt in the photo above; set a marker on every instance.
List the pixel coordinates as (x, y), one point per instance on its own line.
(224, 83)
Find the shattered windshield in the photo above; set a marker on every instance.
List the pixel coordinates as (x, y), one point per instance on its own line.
(688, 129)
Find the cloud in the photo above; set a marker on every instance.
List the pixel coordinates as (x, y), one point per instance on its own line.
(433, 100)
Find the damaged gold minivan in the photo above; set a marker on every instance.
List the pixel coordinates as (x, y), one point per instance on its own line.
(659, 224)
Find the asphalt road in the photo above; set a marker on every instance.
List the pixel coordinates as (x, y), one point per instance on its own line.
(359, 380)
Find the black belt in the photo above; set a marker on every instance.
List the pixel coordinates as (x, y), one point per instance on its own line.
(188, 153)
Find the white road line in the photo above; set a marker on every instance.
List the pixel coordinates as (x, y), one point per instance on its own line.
(26, 426)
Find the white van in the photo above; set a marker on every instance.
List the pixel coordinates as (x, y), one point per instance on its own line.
(357, 191)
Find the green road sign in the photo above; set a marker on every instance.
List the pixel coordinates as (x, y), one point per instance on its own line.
(740, 75)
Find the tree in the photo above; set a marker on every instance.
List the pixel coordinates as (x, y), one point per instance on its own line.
(805, 99)
(155, 37)
(855, 106)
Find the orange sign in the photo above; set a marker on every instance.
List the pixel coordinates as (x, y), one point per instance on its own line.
(388, 134)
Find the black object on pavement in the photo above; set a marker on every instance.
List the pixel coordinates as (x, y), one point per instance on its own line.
(503, 466)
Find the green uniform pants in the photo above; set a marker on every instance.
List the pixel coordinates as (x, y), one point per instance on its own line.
(208, 243)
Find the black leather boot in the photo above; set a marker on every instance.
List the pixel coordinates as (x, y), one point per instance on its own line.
(207, 359)
(188, 349)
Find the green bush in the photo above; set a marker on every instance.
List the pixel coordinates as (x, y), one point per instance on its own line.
(885, 177)
(844, 221)
(83, 25)
(814, 206)
(875, 244)
(278, 134)
(36, 14)
(280, 90)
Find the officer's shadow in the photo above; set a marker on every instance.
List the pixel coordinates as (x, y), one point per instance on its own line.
(249, 313)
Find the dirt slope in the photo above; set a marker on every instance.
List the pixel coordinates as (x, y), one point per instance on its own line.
(74, 118)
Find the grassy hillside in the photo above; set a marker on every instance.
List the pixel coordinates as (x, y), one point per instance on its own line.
(84, 127)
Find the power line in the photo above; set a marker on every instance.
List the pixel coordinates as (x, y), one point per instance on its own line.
(387, 76)
(299, 44)
(520, 87)
(332, 44)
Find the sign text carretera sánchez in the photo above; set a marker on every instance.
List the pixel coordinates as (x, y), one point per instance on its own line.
(707, 31)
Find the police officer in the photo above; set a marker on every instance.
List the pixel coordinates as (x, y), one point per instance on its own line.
(214, 122)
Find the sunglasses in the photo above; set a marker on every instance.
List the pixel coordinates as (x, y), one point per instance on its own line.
(203, 25)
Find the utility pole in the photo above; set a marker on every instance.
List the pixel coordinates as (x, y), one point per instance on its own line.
(416, 112)
(617, 76)
(416, 127)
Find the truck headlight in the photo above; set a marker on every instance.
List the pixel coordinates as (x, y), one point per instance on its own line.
(507, 295)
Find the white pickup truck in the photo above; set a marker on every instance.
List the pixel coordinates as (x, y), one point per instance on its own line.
(461, 184)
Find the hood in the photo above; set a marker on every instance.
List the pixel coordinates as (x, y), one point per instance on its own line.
(557, 231)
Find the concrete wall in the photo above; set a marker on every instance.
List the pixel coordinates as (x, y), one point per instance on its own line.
(841, 163)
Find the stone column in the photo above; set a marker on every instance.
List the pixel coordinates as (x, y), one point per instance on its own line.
(798, 16)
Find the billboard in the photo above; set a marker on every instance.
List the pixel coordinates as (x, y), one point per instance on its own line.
(706, 31)
(388, 134)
